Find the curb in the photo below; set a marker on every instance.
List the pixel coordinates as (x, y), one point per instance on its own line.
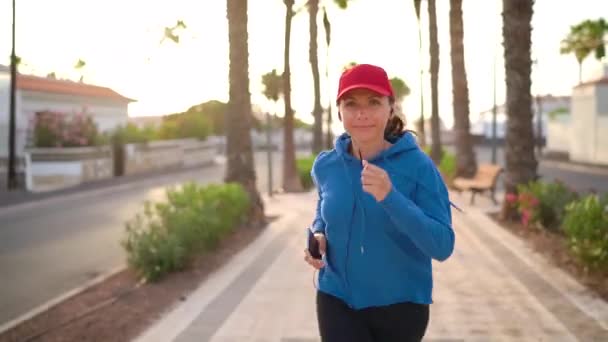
(588, 169)
(568, 286)
(61, 298)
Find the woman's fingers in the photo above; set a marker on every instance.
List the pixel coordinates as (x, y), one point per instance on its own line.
(316, 263)
(322, 242)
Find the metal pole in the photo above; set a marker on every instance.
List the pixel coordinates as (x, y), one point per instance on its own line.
(494, 109)
(494, 138)
(269, 151)
(539, 124)
(422, 130)
(12, 173)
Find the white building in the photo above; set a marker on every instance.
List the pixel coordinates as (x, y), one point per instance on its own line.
(36, 94)
(548, 104)
(583, 135)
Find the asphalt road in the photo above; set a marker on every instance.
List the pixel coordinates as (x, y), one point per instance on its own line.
(581, 179)
(57, 246)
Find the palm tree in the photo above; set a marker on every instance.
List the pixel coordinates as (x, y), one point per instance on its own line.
(584, 38)
(172, 33)
(327, 26)
(401, 90)
(79, 66)
(240, 167)
(434, 51)
(421, 126)
(317, 111)
(519, 150)
(272, 90)
(465, 156)
(313, 10)
(291, 180)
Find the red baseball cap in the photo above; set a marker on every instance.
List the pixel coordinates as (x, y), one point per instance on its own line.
(365, 76)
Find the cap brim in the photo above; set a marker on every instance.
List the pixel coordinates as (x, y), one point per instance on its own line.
(371, 87)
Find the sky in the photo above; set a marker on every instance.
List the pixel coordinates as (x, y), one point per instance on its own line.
(120, 42)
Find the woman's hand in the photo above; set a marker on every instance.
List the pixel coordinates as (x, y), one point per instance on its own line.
(316, 263)
(375, 181)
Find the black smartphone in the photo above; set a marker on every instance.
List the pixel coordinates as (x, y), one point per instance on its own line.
(313, 245)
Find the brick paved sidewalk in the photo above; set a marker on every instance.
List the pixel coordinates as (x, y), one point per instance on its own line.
(492, 289)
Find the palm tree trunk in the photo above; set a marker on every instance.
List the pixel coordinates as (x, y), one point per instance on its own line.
(519, 150)
(417, 4)
(465, 157)
(317, 112)
(434, 51)
(329, 140)
(240, 166)
(291, 180)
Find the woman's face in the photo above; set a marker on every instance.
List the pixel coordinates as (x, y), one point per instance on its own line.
(364, 114)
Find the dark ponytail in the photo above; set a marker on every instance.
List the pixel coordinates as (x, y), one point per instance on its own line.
(395, 126)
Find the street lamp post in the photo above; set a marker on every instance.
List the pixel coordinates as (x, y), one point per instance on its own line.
(269, 148)
(12, 173)
(494, 138)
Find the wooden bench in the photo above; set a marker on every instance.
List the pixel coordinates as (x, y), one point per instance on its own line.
(485, 179)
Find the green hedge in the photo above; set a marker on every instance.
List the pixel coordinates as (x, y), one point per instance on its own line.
(304, 165)
(193, 219)
(586, 227)
(447, 165)
(544, 203)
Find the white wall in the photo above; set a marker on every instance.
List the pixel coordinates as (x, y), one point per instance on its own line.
(601, 150)
(559, 132)
(583, 123)
(4, 118)
(107, 115)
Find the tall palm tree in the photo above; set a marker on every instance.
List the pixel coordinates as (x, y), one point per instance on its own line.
(519, 150)
(240, 167)
(327, 26)
(434, 51)
(313, 11)
(421, 126)
(585, 38)
(272, 83)
(291, 180)
(317, 111)
(466, 164)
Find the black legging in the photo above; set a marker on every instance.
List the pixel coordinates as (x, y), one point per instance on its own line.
(402, 322)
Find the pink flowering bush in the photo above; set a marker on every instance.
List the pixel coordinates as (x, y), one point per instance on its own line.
(55, 129)
(542, 204)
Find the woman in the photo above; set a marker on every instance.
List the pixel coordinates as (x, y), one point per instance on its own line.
(383, 213)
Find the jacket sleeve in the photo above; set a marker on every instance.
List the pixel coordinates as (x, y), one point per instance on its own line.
(318, 225)
(426, 219)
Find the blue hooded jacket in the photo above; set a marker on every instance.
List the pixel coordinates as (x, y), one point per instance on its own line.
(379, 253)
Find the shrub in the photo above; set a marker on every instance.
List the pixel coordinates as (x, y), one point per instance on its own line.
(447, 165)
(304, 165)
(543, 204)
(185, 125)
(586, 227)
(131, 133)
(54, 129)
(192, 220)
